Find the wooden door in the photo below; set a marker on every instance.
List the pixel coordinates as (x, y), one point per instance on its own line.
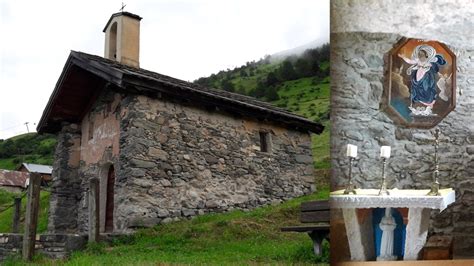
(109, 204)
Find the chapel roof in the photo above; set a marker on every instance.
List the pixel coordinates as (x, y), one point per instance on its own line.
(85, 75)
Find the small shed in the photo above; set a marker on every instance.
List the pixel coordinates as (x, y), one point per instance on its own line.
(44, 170)
(13, 181)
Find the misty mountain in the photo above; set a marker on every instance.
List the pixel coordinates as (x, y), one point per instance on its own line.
(298, 50)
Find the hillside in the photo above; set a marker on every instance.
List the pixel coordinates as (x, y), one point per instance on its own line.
(297, 83)
(6, 211)
(30, 148)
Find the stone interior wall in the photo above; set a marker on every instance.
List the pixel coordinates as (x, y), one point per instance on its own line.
(358, 55)
(179, 161)
(57, 246)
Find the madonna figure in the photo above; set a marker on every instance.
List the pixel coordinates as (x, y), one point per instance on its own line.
(424, 67)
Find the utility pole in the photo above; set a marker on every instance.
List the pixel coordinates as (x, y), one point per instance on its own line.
(27, 129)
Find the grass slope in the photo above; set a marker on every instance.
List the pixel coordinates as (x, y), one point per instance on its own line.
(30, 148)
(249, 83)
(309, 97)
(6, 216)
(237, 238)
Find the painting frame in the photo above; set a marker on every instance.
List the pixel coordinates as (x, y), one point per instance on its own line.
(416, 102)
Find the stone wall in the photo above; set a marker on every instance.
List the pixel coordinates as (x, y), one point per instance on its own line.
(84, 151)
(173, 162)
(65, 187)
(358, 55)
(57, 246)
(179, 161)
(99, 151)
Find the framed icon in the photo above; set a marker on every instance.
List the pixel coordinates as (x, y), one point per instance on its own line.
(420, 89)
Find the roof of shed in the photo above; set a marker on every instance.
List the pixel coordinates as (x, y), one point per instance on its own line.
(38, 168)
(13, 178)
(85, 75)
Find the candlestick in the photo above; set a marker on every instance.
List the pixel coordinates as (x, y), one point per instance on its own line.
(351, 151)
(383, 188)
(385, 152)
(350, 186)
(435, 185)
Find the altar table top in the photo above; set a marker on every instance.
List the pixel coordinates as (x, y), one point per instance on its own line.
(398, 198)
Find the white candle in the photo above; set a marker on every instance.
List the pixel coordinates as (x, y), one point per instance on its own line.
(351, 150)
(385, 152)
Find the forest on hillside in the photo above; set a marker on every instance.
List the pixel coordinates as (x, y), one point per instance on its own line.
(311, 63)
(31, 148)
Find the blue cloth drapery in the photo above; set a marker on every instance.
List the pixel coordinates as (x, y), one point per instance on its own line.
(424, 90)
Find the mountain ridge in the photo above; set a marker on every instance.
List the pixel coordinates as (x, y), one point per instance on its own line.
(298, 49)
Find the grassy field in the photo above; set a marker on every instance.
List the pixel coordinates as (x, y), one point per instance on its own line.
(250, 83)
(321, 148)
(6, 216)
(309, 97)
(29, 147)
(233, 238)
(8, 164)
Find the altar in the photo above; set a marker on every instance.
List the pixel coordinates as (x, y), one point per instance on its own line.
(360, 209)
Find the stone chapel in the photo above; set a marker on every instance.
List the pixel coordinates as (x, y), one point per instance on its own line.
(164, 149)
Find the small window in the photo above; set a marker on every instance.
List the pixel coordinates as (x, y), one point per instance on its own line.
(265, 141)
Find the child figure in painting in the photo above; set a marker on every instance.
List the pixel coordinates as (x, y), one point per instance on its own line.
(425, 64)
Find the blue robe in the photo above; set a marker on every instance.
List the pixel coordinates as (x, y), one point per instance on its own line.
(424, 90)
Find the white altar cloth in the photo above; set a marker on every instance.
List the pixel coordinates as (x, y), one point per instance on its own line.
(359, 231)
(398, 198)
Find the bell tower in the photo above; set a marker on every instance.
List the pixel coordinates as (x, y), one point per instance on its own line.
(122, 38)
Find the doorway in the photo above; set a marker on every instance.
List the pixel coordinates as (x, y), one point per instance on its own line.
(109, 203)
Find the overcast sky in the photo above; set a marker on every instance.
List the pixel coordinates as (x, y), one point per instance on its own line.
(184, 39)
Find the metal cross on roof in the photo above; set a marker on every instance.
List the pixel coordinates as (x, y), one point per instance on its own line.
(123, 6)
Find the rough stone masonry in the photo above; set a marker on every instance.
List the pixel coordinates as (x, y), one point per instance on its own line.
(358, 59)
(173, 161)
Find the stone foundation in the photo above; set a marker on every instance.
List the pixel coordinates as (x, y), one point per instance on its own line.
(57, 246)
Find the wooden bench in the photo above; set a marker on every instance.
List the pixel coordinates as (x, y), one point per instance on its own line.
(313, 212)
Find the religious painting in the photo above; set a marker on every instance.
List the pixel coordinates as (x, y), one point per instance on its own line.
(421, 83)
